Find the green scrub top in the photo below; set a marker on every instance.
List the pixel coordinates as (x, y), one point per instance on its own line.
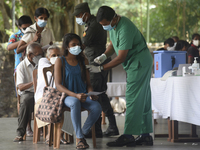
(126, 36)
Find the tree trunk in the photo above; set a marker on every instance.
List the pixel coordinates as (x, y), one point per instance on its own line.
(178, 23)
(141, 17)
(184, 19)
(6, 23)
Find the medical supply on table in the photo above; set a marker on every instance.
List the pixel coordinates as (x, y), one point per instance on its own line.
(195, 66)
(181, 71)
(168, 74)
(167, 60)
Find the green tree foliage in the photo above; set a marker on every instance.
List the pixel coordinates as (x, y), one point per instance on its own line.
(167, 17)
(174, 17)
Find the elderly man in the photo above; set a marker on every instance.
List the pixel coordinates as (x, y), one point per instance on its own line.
(94, 40)
(25, 87)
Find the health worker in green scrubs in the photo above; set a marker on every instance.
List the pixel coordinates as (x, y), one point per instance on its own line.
(131, 49)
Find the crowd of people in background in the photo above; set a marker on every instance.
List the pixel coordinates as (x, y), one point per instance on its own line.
(86, 61)
(192, 48)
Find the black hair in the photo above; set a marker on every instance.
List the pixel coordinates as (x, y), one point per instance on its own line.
(176, 38)
(41, 10)
(24, 20)
(180, 44)
(169, 41)
(105, 12)
(81, 58)
(194, 35)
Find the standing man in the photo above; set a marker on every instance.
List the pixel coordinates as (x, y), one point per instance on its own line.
(133, 53)
(94, 41)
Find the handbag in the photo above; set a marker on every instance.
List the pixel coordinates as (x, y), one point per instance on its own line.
(50, 108)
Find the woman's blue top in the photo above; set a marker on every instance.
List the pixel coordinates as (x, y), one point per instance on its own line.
(73, 80)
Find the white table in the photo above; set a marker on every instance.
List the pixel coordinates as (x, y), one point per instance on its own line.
(116, 89)
(177, 98)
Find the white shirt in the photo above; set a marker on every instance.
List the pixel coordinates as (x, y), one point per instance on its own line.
(43, 63)
(24, 74)
(119, 106)
(46, 35)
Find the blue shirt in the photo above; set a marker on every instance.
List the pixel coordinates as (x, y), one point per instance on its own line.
(73, 79)
(15, 38)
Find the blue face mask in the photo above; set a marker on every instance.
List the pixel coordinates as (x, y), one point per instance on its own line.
(80, 20)
(41, 23)
(75, 50)
(109, 27)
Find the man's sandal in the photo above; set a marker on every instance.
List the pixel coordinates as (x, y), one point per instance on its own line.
(85, 143)
(18, 139)
(81, 145)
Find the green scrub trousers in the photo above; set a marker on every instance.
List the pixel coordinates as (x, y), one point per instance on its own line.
(138, 96)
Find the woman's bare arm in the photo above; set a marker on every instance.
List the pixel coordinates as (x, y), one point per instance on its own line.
(58, 78)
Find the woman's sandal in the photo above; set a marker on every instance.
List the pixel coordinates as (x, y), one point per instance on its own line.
(63, 141)
(81, 145)
(47, 142)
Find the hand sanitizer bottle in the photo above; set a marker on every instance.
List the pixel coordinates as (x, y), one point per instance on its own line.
(195, 66)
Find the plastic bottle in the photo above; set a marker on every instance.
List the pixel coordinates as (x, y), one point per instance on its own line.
(195, 66)
(183, 71)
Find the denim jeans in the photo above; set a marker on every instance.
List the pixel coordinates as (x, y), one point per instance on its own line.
(75, 105)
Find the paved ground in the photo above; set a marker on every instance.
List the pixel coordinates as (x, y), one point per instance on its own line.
(8, 127)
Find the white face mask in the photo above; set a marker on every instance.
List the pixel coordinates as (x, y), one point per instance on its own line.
(170, 48)
(53, 60)
(36, 59)
(80, 20)
(75, 50)
(196, 42)
(41, 23)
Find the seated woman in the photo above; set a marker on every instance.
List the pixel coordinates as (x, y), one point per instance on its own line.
(76, 85)
(53, 52)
